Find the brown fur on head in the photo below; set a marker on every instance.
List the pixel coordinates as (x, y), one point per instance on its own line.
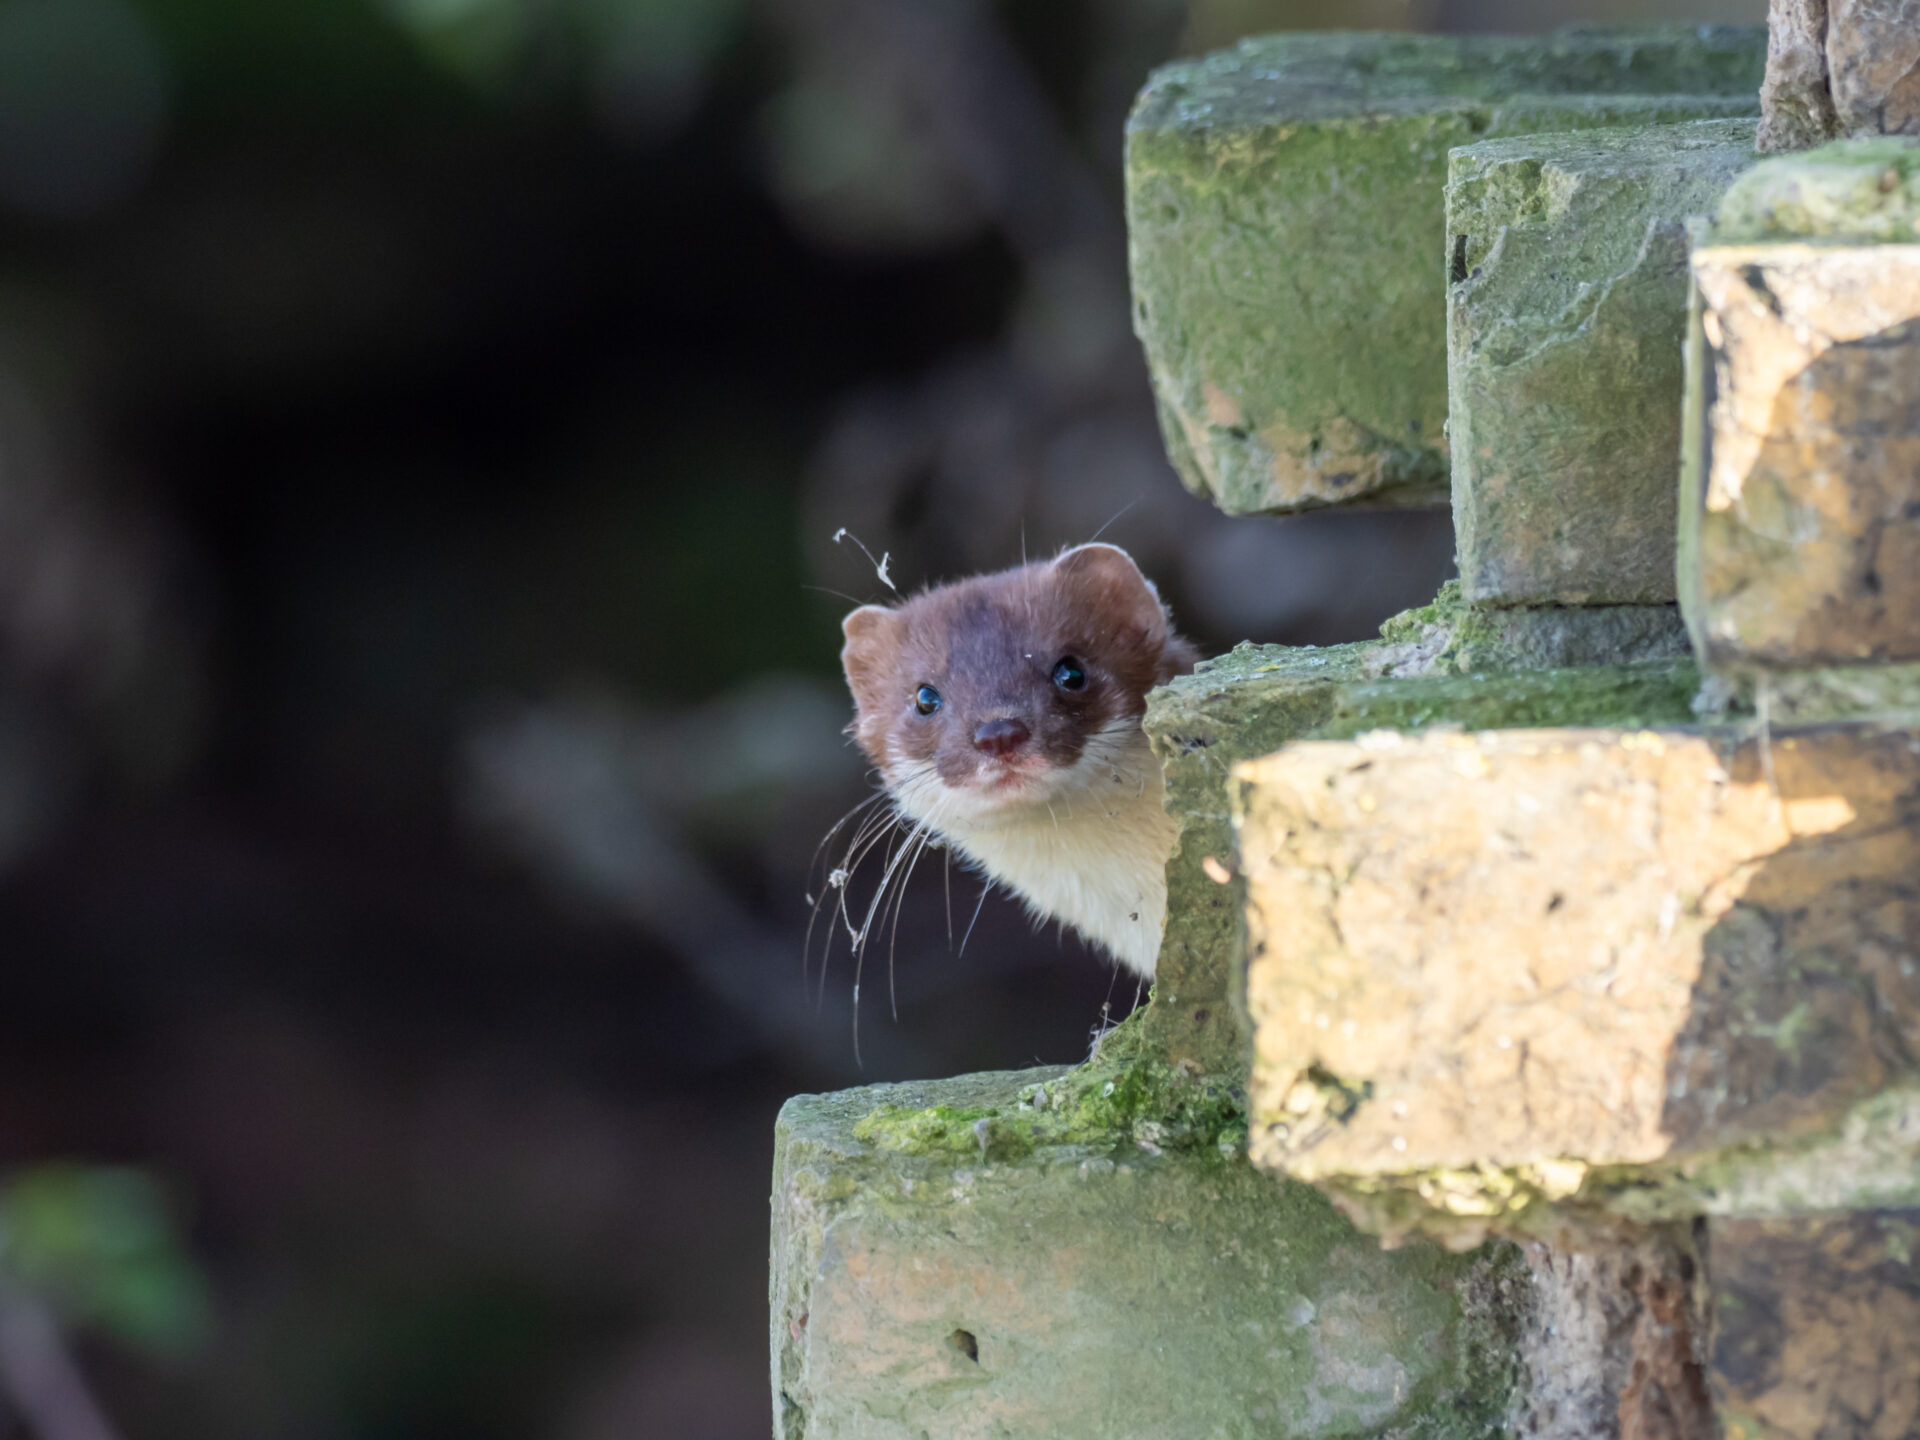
(1024, 668)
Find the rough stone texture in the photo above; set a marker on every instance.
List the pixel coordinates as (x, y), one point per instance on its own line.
(1873, 64)
(1796, 105)
(1840, 67)
(1860, 190)
(1617, 1345)
(1283, 198)
(1565, 316)
(1452, 637)
(1800, 496)
(1240, 705)
(1258, 698)
(1102, 1290)
(1870, 1160)
(1817, 1326)
(1543, 951)
(1889, 693)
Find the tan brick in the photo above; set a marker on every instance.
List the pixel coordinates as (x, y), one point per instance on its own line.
(1556, 948)
(1817, 1326)
(1800, 493)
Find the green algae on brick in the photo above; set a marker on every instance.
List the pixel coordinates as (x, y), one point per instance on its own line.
(1457, 638)
(1283, 203)
(1850, 190)
(1240, 705)
(1125, 1094)
(1092, 1289)
(1566, 310)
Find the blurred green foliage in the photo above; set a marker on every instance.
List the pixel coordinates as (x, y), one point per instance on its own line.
(98, 1244)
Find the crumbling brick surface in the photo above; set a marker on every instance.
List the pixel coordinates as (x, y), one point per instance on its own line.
(1552, 949)
(1817, 1326)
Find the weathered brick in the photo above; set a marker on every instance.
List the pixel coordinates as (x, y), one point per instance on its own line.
(1566, 309)
(1839, 68)
(1283, 201)
(1817, 1326)
(923, 1284)
(1258, 698)
(1800, 489)
(1539, 951)
(1616, 1345)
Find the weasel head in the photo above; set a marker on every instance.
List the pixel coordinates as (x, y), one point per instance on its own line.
(983, 700)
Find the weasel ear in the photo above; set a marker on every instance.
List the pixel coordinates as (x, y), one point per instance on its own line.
(871, 631)
(1106, 582)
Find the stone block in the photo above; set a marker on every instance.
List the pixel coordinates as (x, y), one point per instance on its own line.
(1232, 708)
(1283, 200)
(1616, 1346)
(1482, 965)
(1566, 312)
(1800, 485)
(1839, 68)
(1258, 698)
(1817, 1326)
(952, 1259)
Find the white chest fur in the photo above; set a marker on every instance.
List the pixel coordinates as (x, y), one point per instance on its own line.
(1094, 856)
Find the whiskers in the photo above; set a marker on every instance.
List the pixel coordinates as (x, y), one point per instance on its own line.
(876, 822)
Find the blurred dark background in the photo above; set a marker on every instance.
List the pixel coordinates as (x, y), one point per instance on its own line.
(423, 429)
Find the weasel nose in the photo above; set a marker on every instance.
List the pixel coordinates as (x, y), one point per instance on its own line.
(1001, 737)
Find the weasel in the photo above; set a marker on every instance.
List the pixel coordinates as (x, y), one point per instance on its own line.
(1003, 712)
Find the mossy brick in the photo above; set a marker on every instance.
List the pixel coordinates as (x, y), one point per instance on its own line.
(1446, 664)
(1243, 704)
(1482, 966)
(1854, 190)
(1869, 1160)
(1096, 1286)
(1817, 1326)
(1800, 481)
(1566, 309)
(1283, 203)
(1463, 639)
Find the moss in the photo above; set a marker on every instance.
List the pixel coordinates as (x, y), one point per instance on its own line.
(1453, 636)
(1851, 190)
(1653, 692)
(1284, 200)
(1077, 1262)
(1242, 704)
(1124, 1096)
(1565, 313)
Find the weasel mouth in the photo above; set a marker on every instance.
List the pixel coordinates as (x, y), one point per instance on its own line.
(1009, 779)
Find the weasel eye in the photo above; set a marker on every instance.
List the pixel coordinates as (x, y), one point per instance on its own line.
(1069, 675)
(926, 699)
